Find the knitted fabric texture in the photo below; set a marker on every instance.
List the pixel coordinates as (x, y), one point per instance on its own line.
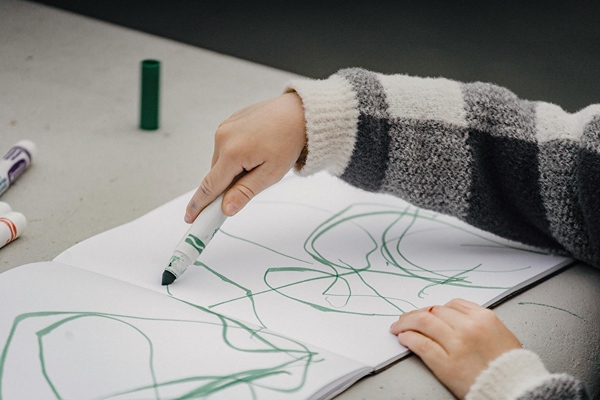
(523, 170)
(520, 375)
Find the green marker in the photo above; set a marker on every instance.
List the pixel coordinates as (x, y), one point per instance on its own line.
(195, 240)
(150, 94)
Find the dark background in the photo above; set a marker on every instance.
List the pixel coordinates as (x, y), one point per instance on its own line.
(540, 50)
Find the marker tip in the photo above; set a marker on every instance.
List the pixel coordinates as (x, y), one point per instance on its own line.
(168, 278)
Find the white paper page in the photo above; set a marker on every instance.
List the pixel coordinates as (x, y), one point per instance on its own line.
(318, 260)
(68, 333)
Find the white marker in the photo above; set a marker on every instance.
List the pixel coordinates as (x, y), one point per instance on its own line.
(195, 240)
(12, 225)
(4, 208)
(15, 162)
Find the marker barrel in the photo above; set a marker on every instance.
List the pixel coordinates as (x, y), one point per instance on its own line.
(197, 237)
(4, 208)
(15, 162)
(150, 94)
(12, 225)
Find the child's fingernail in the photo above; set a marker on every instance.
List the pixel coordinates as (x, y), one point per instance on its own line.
(231, 209)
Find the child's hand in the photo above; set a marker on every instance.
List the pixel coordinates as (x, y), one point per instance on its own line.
(265, 140)
(456, 341)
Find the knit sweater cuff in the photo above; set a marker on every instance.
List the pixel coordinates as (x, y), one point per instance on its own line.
(509, 376)
(331, 114)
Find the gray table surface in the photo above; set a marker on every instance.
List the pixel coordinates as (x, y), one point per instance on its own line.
(71, 85)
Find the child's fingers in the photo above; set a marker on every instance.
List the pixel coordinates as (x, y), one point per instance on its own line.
(214, 183)
(248, 186)
(456, 341)
(429, 350)
(423, 322)
(263, 141)
(463, 306)
(447, 314)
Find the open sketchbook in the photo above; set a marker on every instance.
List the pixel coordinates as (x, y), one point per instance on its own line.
(293, 298)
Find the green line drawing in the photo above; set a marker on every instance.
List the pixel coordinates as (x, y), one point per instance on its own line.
(344, 282)
(337, 269)
(523, 303)
(297, 358)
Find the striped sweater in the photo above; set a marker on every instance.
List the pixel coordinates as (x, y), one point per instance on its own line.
(524, 170)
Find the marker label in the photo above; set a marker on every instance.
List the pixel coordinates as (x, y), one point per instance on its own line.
(15, 162)
(195, 242)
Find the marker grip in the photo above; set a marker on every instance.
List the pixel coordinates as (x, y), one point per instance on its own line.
(195, 240)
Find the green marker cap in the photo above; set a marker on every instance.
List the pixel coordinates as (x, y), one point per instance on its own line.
(150, 94)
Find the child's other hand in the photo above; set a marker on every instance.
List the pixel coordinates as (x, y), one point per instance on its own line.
(456, 341)
(264, 140)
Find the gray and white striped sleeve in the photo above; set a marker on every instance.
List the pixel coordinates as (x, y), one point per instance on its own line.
(524, 170)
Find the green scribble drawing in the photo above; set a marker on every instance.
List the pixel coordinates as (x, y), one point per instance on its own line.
(339, 279)
(248, 292)
(262, 246)
(347, 282)
(298, 357)
(522, 303)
